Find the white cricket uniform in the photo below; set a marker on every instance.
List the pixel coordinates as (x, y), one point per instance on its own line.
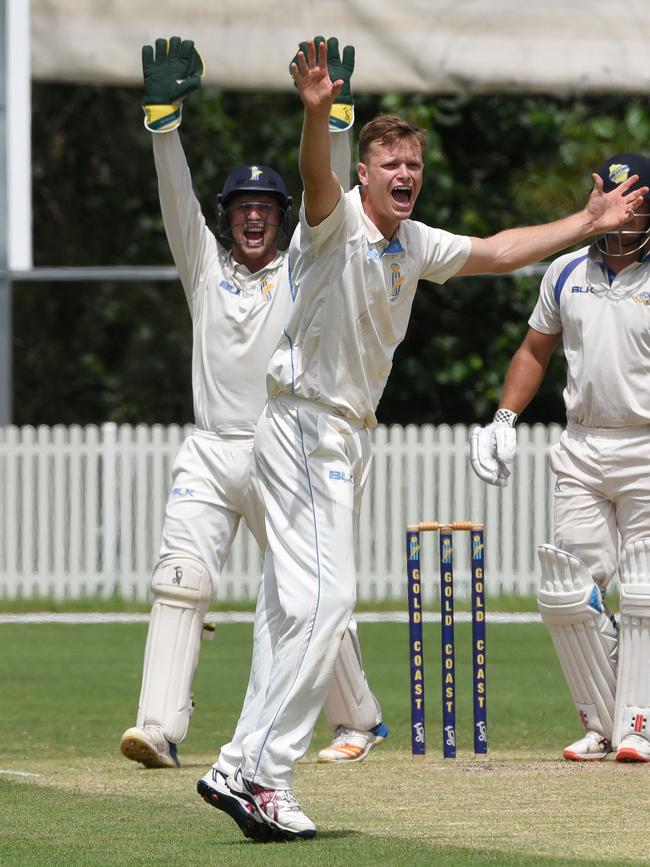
(237, 318)
(602, 460)
(354, 292)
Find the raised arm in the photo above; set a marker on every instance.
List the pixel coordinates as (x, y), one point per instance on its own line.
(322, 189)
(514, 248)
(173, 71)
(340, 66)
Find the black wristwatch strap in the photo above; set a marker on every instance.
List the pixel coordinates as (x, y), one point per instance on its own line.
(505, 416)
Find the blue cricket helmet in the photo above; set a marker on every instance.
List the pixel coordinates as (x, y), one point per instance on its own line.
(622, 242)
(619, 167)
(254, 179)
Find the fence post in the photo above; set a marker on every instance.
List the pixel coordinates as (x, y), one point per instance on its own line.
(108, 553)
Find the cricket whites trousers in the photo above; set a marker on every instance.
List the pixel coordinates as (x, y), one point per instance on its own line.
(602, 490)
(312, 466)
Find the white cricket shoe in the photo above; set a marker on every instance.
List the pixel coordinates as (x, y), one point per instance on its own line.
(633, 748)
(352, 745)
(277, 807)
(213, 789)
(593, 747)
(150, 747)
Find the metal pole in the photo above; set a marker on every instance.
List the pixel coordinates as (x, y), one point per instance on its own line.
(6, 360)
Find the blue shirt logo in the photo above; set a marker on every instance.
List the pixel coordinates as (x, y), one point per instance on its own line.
(224, 284)
(340, 476)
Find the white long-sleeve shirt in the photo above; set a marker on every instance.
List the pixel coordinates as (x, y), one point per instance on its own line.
(237, 317)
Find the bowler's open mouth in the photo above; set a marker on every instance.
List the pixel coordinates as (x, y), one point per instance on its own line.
(402, 195)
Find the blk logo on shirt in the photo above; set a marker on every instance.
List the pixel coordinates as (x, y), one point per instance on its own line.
(341, 476)
(182, 492)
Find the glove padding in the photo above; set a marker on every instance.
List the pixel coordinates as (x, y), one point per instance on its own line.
(492, 451)
(174, 72)
(340, 68)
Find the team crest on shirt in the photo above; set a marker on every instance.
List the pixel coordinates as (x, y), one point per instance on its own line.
(396, 281)
(266, 288)
(642, 298)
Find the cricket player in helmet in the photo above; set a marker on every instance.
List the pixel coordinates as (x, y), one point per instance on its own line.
(596, 301)
(253, 211)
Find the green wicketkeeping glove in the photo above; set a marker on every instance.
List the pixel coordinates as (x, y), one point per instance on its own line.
(342, 111)
(174, 72)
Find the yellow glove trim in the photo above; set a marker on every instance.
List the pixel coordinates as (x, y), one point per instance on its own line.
(341, 117)
(162, 118)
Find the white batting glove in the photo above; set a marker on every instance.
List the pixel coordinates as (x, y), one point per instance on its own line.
(492, 448)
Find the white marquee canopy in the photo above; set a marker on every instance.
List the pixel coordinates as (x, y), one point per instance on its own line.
(411, 45)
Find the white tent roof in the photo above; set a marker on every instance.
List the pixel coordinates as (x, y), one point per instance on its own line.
(405, 45)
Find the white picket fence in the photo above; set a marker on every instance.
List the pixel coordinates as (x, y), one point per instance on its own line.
(82, 510)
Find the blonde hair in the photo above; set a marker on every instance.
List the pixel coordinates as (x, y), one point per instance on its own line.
(386, 129)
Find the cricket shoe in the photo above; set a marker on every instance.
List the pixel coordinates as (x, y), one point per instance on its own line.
(352, 745)
(633, 748)
(593, 747)
(213, 789)
(150, 747)
(278, 808)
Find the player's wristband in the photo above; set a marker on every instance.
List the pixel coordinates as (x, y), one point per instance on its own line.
(341, 116)
(505, 416)
(162, 118)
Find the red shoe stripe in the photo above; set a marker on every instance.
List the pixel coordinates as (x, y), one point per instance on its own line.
(349, 750)
(629, 754)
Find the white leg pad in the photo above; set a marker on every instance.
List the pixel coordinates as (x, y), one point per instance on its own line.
(584, 636)
(182, 594)
(633, 689)
(350, 702)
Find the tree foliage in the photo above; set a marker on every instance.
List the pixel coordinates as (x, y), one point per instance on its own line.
(93, 352)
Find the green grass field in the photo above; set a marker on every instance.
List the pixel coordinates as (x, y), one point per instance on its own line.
(68, 797)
